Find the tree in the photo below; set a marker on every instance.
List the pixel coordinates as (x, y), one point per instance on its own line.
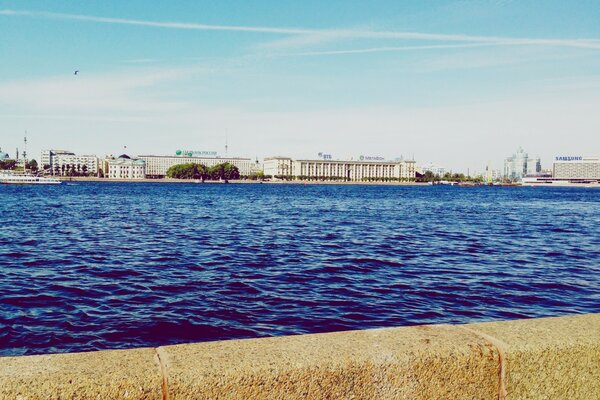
(8, 164)
(188, 171)
(33, 165)
(224, 171)
(84, 169)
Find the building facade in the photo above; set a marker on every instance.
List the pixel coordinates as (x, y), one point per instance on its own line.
(86, 165)
(49, 160)
(434, 169)
(520, 164)
(157, 166)
(125, 167)
(338, 169)
(576, 168)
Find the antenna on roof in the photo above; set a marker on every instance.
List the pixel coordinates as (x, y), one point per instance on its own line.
(226, 146)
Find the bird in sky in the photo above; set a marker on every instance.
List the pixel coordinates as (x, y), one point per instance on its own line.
(76, 72)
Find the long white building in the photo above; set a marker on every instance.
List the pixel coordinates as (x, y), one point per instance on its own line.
(576, 168)
(157, 166)
(339, 169)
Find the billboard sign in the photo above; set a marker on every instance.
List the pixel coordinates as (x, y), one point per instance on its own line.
(371, 158)
(569, 158)
(195, 153)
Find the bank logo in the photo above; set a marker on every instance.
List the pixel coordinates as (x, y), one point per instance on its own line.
(195, 153)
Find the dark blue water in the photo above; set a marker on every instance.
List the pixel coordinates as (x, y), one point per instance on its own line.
(118, 265)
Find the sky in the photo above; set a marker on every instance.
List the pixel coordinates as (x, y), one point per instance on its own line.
(456, 83)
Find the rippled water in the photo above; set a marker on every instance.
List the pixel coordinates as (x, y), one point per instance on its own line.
(116, 265)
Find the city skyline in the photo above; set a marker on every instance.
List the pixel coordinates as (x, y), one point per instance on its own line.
(453, 83)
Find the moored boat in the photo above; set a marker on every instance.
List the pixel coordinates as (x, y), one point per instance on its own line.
(27, 179)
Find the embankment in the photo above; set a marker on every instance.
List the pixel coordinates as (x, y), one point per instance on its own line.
(546, 358)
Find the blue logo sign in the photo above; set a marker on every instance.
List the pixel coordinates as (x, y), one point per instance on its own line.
(569, 158)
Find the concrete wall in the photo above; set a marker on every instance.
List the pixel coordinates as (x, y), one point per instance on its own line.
(547, 358)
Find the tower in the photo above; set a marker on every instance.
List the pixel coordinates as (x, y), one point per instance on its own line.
(25, 149)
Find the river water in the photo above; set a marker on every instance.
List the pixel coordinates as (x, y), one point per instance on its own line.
(102, 265)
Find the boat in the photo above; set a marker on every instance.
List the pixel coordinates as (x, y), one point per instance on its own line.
(27, 179)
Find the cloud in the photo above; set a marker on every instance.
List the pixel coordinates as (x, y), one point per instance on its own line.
(117, 92)
(391, 49)
(141, 61)
(305, 36)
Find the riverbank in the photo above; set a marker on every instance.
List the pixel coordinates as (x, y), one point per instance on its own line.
(545, 358)
(241, 181)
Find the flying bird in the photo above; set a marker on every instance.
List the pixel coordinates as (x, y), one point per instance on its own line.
(76, 72)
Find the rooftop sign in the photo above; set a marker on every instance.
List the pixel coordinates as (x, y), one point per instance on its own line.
(195, 153)
(569, 158)
(371, 158)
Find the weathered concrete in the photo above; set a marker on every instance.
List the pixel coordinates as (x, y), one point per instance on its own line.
(548, 358)
(113, 374)
(426, 362)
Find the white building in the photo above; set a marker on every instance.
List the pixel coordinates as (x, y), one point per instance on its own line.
(434, 169)
(48, 158)
(125, 167)
(520, 164)
(157, 166)
(85, 164)
(576, 168)
(338, 169)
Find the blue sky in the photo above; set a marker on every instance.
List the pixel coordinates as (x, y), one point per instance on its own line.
(457, 83)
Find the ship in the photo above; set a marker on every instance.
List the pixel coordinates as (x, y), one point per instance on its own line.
(26, 179)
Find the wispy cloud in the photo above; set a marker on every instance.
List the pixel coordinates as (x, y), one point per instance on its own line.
(117, 92)
(392, 49)
(308, 35)
(141, 61)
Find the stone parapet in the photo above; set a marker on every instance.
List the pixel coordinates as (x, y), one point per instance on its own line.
(546, 358)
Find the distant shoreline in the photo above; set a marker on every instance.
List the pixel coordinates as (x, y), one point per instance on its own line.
(67, 179)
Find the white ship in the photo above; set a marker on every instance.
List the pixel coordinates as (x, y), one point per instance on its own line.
(26, 179)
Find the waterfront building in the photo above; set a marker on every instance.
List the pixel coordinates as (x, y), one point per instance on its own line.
(84, 164)
(569, 170)
(157, 166)
(339, 169)
(520, 164)
(48, 160)
(125, 167)
(434, 169)
(576, 168)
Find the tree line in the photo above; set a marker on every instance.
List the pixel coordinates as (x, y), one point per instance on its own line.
(429, 176)
(224, 171)
(11, 165)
